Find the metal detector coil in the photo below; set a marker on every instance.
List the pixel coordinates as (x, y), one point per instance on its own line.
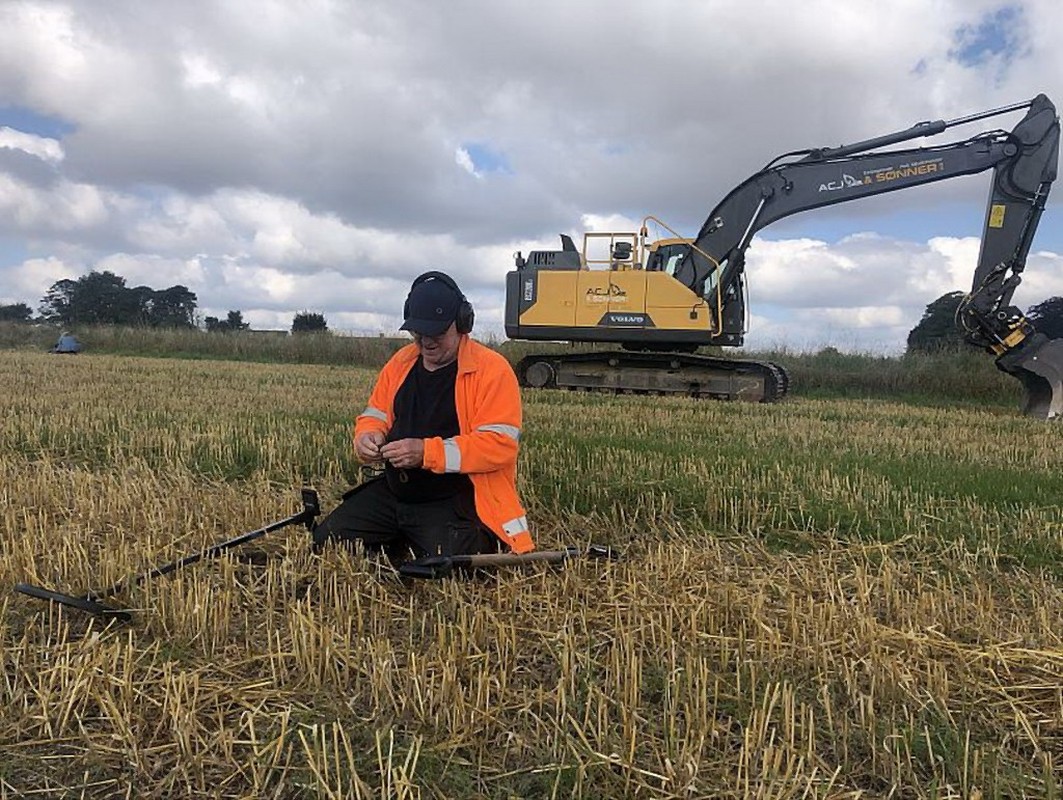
(87, 603)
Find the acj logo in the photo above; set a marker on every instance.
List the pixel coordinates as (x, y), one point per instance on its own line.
(610, 294)
(846, 182)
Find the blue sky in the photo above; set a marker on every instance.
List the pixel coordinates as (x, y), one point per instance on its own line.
(277, 159)
(483, 159)
(29, 121)
(997, 34)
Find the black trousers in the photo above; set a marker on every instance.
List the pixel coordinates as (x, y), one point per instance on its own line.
(373, 514)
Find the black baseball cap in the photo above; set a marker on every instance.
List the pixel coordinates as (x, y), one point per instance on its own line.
(430, 308)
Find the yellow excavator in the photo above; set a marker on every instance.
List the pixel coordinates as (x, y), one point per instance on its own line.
(660, 299)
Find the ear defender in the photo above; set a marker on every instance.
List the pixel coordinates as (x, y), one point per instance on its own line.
(465, 317)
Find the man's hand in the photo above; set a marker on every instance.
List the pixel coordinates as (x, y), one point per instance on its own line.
(367, 447)
(404, 454)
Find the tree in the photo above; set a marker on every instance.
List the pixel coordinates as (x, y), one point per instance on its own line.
(102, 298)
(937, 330)
(141, 304)
(57, 303)
(1047, 317)
(99, 297)
(16, 312)
(233, 322)
(308, 322)
(173, 308)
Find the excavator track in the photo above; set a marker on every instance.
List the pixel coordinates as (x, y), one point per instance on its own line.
(623, 372)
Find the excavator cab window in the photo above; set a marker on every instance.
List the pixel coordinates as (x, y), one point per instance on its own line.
(670, 264)
(666, 257)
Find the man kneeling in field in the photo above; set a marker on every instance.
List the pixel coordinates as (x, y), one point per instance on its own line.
(444, 419)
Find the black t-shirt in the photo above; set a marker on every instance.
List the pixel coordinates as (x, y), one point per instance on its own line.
(424, 407)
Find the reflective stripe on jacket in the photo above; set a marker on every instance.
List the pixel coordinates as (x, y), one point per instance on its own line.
(487, 399)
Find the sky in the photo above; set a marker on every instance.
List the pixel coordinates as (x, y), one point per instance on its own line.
(317, 155)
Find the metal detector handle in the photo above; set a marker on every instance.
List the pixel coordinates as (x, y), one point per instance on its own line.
(311, 509)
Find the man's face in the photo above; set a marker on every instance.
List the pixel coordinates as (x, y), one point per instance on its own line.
(438, 351)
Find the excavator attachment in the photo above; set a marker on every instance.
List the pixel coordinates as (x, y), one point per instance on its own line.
(1038, 364)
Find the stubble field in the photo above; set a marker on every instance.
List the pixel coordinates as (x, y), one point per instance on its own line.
(822, 598)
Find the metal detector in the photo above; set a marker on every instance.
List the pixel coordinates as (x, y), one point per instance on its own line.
(442, 566)
(90, 602)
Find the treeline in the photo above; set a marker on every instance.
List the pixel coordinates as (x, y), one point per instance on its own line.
(103, 298)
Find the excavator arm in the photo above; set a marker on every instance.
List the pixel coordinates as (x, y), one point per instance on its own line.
(1024, 163)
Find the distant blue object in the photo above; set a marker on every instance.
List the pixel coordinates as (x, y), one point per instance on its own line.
(68, 344)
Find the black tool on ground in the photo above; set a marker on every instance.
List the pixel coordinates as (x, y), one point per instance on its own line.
(91, 602)
(442, 566)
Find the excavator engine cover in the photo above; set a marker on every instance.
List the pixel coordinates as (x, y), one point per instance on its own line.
(1038, 364)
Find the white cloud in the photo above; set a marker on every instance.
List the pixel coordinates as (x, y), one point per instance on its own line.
(154, 271)
(64, 208)
(42, 147)
(27, 282)
(464, 160)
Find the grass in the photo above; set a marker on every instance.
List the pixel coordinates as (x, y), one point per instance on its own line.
(827, 597)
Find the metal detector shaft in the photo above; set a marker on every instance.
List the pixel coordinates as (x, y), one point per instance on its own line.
(90, 601)
(309, 512)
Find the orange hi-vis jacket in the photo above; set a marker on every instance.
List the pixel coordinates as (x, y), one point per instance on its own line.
(487, 399)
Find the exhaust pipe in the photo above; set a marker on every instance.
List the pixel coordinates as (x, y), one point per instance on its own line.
(1038, 364)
